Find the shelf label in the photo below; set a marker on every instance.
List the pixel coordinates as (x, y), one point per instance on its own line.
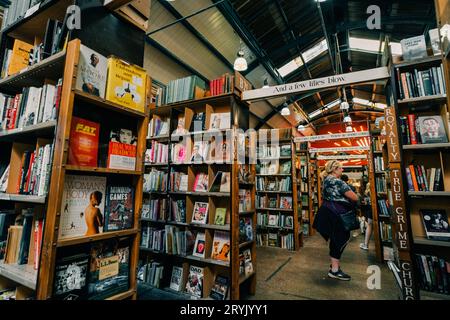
(339, 149)
(32, 10)
(392, 135)
(333, 136)
(400, 218)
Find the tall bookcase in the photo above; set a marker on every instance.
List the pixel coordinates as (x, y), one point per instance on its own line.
(277, 217)
(412, 248)
(182, 115)
(303, 190)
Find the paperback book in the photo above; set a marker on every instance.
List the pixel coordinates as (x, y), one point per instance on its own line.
(200, 214)
(219, 289)
(436, 224)
(91, 72)
(194, 284)
(122, 150)
(199, 247)
(119, 208)
(221, 246)
(176, 280)
(84, 138)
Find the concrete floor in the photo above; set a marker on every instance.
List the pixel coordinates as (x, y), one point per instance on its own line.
(285, 275)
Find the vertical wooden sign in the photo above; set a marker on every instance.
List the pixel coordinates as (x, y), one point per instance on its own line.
(400, 218)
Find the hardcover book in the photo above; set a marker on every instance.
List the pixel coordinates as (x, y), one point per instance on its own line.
(432, 129)
(245, 229)
(219, 289)
(82, 206)
(201, 182)
(221, 246)
(83, 146)
(199, 247)
(119, 208)
(220, 121)
(122, 150)
(70, 281)
(92, 72)
(200, 214)
(414, 48)
(20, 57)
(194, 284)
(225, 182)
(126, 84)
(176, 280)
(220, 217)
(436, 224)
(286, 202)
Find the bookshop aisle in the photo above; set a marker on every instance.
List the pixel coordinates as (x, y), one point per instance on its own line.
(302, 275)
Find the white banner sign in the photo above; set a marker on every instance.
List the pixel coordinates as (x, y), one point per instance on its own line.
(342, 156)
(333, 136)
(338, 149)
(365, 76)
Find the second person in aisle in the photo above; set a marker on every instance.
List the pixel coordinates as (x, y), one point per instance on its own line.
(338, 198)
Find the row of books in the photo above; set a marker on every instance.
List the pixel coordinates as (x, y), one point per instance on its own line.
(284, 202)
(305, 200)
(155, 181)
(224, 84)
(274, 167)
(275, 220)
(270, 239)
(421, 83)
(151, 273)
(271, 151)
(158, 127)
(380, 184)
(270, 184)
(178, 181)
(157, 153)
(21, 241)
(305, 229)
(17, 10)
(377, 144)
(383, 205)
(245, 201)
(378, 163)
(245, 263)
(422, 129)
(305, 215)
(34, 105)
(385, 231)
(92, 282)
(434, 273)
(302, 187)
(155, 209)
(421, 179)
(183, 89)
(202, 152)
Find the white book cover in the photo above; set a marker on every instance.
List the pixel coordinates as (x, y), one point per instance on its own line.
(40, 113)
(43, 170)
(414, 48)
(82, 206)
(92, 72)
(200, 214)
(194, 284)
(4, 180)
(434, 39)
(31, 107)
(49, 103)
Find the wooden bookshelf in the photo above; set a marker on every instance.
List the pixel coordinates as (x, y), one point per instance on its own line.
(23, 198)
(102, 170)
(22, 274)
(45, 129)
(97, 237)
(239, 113)
(426, 146)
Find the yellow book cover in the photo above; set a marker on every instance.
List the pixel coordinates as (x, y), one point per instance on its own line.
(126, 84)
(20, 57)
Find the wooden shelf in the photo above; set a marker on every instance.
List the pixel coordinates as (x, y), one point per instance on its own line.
(246, 244)
(428, 295)
(164, 137)
(88, 98)
(197, 133)
(274, 227)
(427, 99)
(21, 274)
(161, 193)
(244, 278)
(429, 193)
(102, 170)
(426, 146)
(274, 209)
(210, 226)
(196, 101)
(22, 198)
(284, 192)
(176, 223)
(209, 261)
(202, 194)
(429, 242)
(153, 220)
(250, 184)
(273, 175)
(50, 68)
(427, 60)
(275, 158)
(244, 213)
(97, 237)
(41, 130)
(380, 172)
(156, 164)
(122, 296)
(382, 216)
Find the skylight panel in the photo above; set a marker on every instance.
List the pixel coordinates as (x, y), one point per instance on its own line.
(290, 67)
(315, 51)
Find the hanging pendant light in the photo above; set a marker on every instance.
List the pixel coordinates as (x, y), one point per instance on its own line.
(285, 111)
(301, 128)
(240, 64)
(266, 83)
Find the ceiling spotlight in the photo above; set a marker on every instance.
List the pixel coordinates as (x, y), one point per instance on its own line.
(266, 83)
(345, 105)
(347, 119)
(285, 111)
(240, 64)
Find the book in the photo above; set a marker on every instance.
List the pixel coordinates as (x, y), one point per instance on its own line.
(221, 246)
(225, 183)
(414, 48)
(109, 269)
(126, 84)
(286, 167)
(201, 182)
(19, 57)
(219, 289)
(179, 153)
(286, 203)
(82, 206)
(83, 146)
(71, 272)
(200, 214)
(434, 40)
(220, 121)
(215, 186)
(199, 152)
(432, 129)
(198, 122)
(220, 216)
(436, 224)
(180, 125)
(13, 244)
(245, 229)
(199, 247)
(91, 72)
(176, 280)
(122, 150)
(4, 179)
(248, 265)
(194, 283)
(119, 209)
(25, 240)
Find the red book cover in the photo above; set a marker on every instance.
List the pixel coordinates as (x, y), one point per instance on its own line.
(37, 242)
(58, 95)
(13, 114)
(83, 147)
(121, 156)
(222, 85)
(211, 87)
(26, 187)
(412, 128)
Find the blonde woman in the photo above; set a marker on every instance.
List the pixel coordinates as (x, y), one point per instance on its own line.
(338, 198)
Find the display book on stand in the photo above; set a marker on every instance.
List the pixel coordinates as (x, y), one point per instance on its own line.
(194, 189)
(98, 199)
(276, 190)
(303, 188)
(422, 101)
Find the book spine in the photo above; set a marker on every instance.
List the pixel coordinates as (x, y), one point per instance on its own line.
(424, 178)
(405, 89)
(409, 179)
(412, 128)
(413, 177)
(400, 87)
